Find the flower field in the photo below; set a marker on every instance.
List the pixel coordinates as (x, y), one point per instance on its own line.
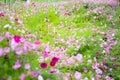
(60, 40)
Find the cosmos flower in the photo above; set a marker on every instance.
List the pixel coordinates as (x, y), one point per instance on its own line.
(40, 77)
(22, 76)
(37, 42)
(78, 75)
(17, 39)
(17, 65)
(33, 73)
(27, 66)
(55, 59)
(52, 63)
(1, 51)
(43, 65)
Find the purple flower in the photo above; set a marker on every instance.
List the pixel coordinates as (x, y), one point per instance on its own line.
(16, 19)
(43, 65)
(79, 57)
(34, 74)
(27, 66)
(22, 76)
(52, 71)
(55, 59)
(17, 65)
(6, 49)
(19, 51)
(17, 39)
(1, 51)
(77, 75)
(37, 42)
(2, 14)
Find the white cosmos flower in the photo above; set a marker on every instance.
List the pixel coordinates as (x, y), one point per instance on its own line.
(40, 77)
(7, 26)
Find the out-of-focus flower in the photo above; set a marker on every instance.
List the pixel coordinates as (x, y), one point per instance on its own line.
(2, 14)
(27, 66)
(79, 57)
(17, 65)
(22, 76)
(65, 78)
(6, 50)
(55, 59)
(1, 38)
(37, 42)
(85, 70)
(52, 63)
(52, 71)
(7, 26)
(7, 35)
(43, 65)
(19, 51)
(17, 38)
(78, 75)
(1, 51)
(33, 73)
(40, 77)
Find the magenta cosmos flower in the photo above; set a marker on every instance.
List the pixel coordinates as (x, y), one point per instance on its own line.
(55, 59)
(37, 42)
(43, 65)
(17, 38)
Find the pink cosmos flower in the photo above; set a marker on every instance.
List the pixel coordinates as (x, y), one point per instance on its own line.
(1, 38)
(6, 50)
(43, 65)
(17, 39)
(78, 75)
(1, 51)
(7, 35)
(1, 14)
(27, 66)
(33, 73)
(16, 19)
(13, 44)
(65, 78)
(17, 65)
(19, 51)
(37, 42)
(52, 71)
(85, 70)
(22, 76)
(79, 57)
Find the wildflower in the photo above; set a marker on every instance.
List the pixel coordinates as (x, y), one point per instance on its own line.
(1, 51)
(2, 14)
(43, 65)
(6, 50)
(17, 65)
(19, 51)
(37, 42)
(77, 75)
(52, 63)
(22, 76)
(17, 39)
(55, 59)
(52, 71)
(1, 38)
(33, 73)
(16, 19)
(40, 77)
(7, 26)
(27, 66)
(79, 57)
